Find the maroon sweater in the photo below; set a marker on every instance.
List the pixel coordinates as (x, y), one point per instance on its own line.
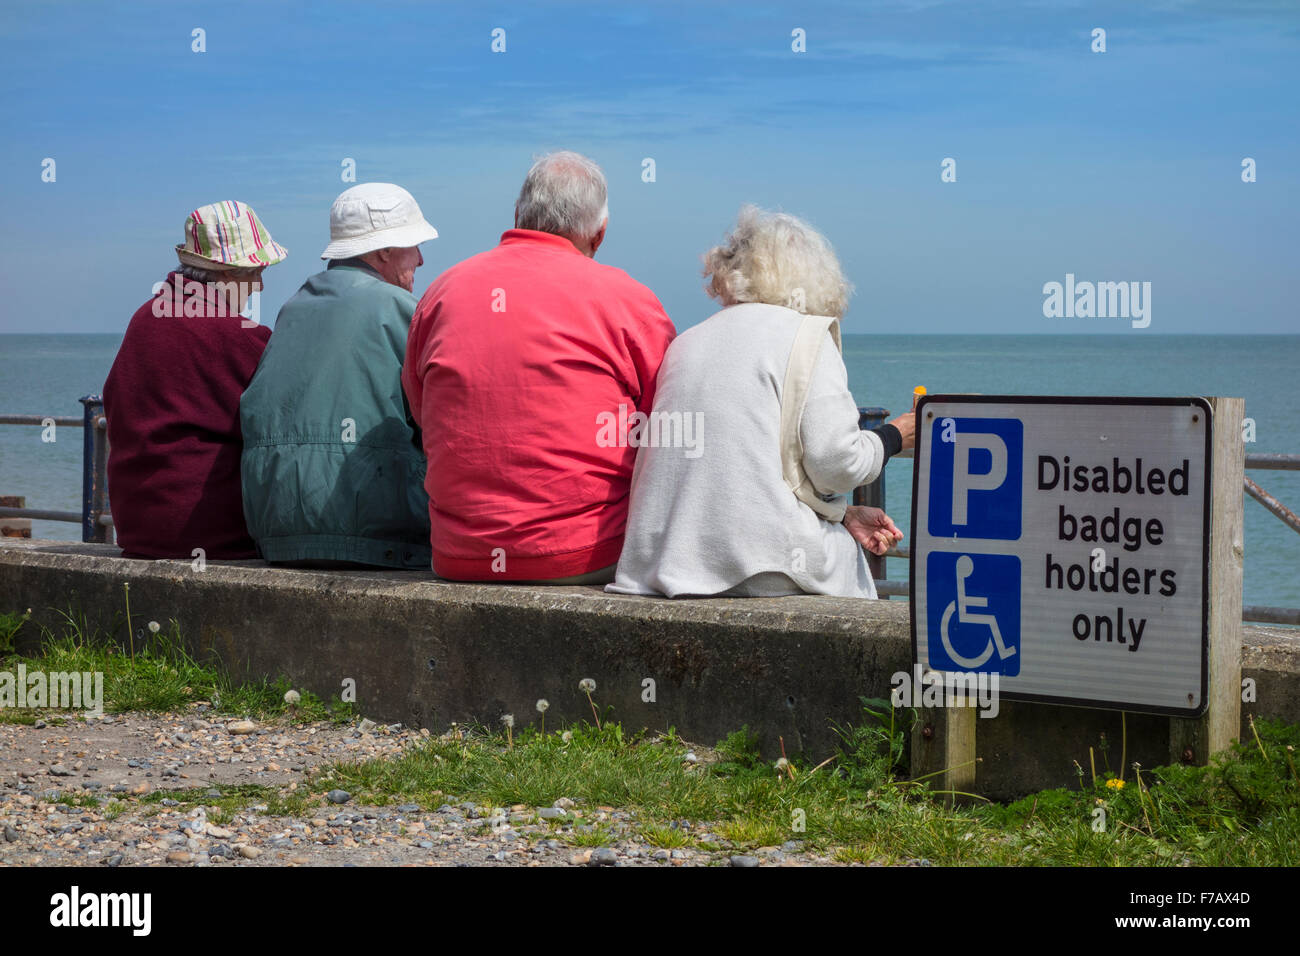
(172, 403)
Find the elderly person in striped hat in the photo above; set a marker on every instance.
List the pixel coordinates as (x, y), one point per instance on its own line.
(172, 395)
(761, 392)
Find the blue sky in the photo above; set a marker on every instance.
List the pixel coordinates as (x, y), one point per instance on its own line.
(1115, 166)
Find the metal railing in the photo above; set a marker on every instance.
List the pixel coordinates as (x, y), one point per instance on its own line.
(95, 520)
(874, 495)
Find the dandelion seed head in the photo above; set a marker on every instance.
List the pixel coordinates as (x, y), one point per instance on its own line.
(542, 705)
(508, 720)
(292, 698)
(587, 685)
(154, 627)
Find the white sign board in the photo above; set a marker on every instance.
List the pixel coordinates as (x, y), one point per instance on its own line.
(1063, 544)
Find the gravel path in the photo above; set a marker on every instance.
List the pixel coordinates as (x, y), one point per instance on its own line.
(71, 795)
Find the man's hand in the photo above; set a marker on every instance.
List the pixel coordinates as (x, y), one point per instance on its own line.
(872, 528)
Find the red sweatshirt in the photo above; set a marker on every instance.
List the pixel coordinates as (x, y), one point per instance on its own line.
(172, 403)
(512, 356)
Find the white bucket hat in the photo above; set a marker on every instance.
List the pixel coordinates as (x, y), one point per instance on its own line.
(375, 216)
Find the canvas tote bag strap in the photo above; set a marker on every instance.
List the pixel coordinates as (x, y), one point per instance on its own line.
(794, 396)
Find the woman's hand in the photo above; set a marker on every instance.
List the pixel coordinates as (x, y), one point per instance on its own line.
(906, 425)
(872, 528)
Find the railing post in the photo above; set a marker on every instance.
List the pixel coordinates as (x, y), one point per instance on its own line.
(872, 495)
(94, 467)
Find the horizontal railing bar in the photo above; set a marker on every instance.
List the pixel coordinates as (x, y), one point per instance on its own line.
(1270, 615)
(41, 514)
(1274, 462)
(40, 420)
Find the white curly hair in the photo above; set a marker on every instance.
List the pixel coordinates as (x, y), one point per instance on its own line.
(778, 259)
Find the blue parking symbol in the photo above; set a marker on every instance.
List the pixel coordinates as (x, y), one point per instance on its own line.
(976, 466)
(973, 612)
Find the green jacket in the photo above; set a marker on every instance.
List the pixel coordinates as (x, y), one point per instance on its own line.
(332, 467)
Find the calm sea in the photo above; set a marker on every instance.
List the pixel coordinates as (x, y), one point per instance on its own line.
(46, 374)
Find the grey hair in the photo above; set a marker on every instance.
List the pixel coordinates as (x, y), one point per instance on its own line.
(778, 259)
(201, 275)
(564, 194)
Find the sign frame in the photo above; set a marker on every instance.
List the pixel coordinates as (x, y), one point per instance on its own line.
(1200, 403)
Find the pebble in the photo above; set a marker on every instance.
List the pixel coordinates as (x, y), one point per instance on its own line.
(338, 796)
(744, 861)
(58, 770)
(180, 856)
(603, 856)
(11, 835)
(661, 855)
(241, 727)
(551, 813)
(564, 803)
(249, 852)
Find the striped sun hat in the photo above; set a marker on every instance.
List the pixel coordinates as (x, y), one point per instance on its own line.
(228, 235)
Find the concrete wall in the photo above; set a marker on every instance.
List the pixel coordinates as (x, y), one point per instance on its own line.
(427, 652)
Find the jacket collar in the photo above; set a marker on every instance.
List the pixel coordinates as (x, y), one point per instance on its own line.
(356, 262)
(512, 237)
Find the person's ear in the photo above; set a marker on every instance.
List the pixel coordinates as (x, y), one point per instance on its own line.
(599, 237)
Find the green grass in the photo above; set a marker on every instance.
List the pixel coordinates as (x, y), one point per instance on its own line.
(154, 673)
(233, 799)
(1244, 809)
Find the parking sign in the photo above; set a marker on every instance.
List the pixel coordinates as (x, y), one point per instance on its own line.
(1063, 543)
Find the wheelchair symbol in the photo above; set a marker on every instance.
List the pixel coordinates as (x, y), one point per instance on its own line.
(962, 605)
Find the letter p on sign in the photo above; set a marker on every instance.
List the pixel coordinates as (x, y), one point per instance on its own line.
(964, 481)
(976, 485)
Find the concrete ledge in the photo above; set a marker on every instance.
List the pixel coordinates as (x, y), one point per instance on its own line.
(428, 652)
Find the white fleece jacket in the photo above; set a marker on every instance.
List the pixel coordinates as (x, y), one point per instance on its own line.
(712, 517)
